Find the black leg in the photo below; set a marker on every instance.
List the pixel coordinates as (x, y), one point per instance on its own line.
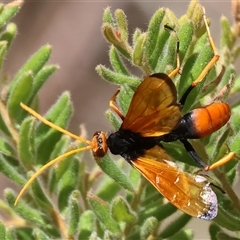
(193, 153)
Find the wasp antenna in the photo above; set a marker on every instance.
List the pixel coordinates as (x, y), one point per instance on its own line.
(44, 167)
(52, 125)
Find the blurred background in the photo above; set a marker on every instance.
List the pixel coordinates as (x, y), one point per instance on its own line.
(73, 28)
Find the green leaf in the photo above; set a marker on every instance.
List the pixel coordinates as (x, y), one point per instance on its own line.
(224, 236)
(227, 217)
(136, 35)
(153, 31)
(214, 229)
(9, 34)
(175, 226)
(10, 234)
(117, 62)
(86, 224)
(107, 16)
(73, 213)
(40, 235)
(122, 212)
(117, 78)
(20, 93)
(111, 169)
(108, 188)
(34, 64)
(154, 59)
(103, 213)
(40, 78)
(186, 234)
(185, 34)
(67, 184)
(149, 226)
(23, 209)
(226, 35)
(114, 36)
(46, 138)
(26, 141)
(113, 119)
(139, 51)
(190, 75)
(40, 196)
(158, 211)
(2, 231)
(11, 171)
(121, 21)
(125, 97)
(195, 13)
(3, 126)
(3, 51)
(5, 148)
(9, 11)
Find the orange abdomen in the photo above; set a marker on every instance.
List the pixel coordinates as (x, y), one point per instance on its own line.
(210, 118)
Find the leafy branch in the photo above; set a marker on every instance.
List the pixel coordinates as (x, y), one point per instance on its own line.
(70, 202)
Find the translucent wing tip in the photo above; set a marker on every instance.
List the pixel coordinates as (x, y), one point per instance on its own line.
(210, 199)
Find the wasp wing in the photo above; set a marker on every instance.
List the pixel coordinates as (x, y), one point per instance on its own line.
(153, 110)
(188, 192)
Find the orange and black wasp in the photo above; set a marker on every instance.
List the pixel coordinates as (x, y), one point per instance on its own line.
(154, 116)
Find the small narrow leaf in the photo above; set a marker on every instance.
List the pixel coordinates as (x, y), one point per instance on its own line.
(121, 21)
(9, 34)
(40, 195)
(67, 184)
(175, 226)
(114, 36)
(108, 189)
(125, 97)
(20, 93)
(10, 234)
(46, 138)
(11, 171)
(227, 217)
(40, 78)
(2, 231)
(121, 211)
(34, 64)
(86, 224)
(227, 36)
(224, 236)
(41, 235)
(24, 209)
(3, 50)
(186, 234)
(5, 148)
(153, 31)
(148, 227)
(9, 11)
(73, 213)
(158, 211)
(138, 51)
(185, 34)
(111, 169)
(167, 58)
(26, 141)
(214, 229)
(102, 211)
(107, 16)
(117, 78)
(116, 62)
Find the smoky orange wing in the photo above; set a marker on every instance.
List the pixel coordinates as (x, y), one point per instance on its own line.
(153, 110)
(190, 193)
